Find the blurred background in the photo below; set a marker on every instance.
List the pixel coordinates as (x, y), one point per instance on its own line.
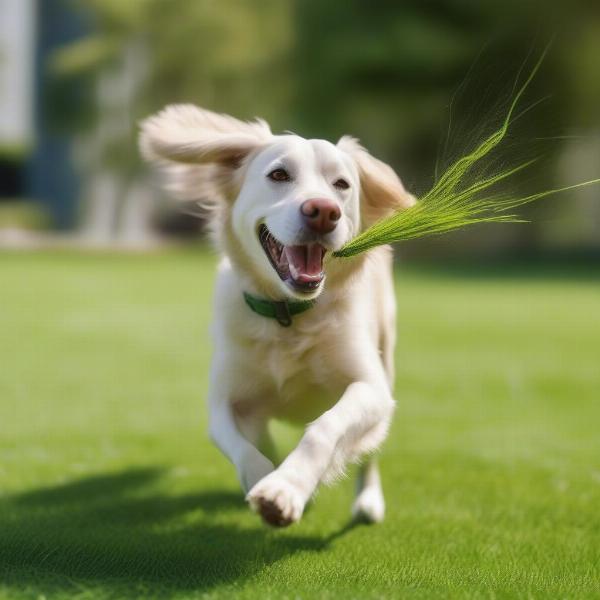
(418, 82)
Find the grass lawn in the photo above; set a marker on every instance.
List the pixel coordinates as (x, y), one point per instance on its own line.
(109, 487)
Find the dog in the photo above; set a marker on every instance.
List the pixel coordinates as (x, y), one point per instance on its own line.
(299, 335)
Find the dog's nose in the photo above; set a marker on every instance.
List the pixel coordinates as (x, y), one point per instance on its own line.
(321, 215)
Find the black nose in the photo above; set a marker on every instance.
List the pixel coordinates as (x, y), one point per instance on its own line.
(321, 215)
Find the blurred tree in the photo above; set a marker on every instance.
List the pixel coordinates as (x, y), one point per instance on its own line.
(419, 80)
(142, 54)
(388, 72)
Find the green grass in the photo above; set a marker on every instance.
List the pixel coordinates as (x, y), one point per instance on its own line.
(109, 487)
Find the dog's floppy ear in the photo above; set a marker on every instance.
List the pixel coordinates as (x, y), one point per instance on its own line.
(197, 150)
(382, 192)
(188, 134)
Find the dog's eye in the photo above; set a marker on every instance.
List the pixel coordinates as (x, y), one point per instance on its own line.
(279, 175)
(341, 184)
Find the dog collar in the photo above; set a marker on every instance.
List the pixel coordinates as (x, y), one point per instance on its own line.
(281, 310)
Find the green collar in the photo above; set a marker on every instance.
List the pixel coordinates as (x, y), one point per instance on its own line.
(281, 310)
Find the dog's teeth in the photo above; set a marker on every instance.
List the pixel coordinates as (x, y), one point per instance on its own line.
(283, 259)
(293, 270)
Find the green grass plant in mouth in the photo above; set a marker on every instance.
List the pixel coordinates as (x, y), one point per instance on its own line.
(456, 201)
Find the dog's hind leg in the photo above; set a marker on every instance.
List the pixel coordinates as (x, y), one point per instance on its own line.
(369, 504)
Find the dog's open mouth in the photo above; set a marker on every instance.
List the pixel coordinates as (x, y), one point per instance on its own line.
(300, 266)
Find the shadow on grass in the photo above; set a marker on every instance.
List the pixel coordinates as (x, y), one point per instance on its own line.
(113, 531)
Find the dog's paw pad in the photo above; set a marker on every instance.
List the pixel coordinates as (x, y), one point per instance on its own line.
(277, 501)
(369, 506)
(272, 514)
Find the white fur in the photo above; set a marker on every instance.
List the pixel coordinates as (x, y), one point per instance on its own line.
(332, 370)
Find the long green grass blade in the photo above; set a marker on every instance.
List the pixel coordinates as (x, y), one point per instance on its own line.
(452, 203)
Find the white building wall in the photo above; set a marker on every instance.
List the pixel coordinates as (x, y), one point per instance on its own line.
(17, 37)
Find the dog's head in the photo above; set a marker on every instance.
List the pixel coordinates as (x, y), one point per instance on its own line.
(281, 202)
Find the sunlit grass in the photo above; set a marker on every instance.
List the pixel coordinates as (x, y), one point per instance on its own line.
(110, 488)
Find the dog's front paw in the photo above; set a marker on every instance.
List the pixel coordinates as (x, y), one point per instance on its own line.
(279, 502)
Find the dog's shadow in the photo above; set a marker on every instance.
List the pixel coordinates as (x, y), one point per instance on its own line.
(113, 528)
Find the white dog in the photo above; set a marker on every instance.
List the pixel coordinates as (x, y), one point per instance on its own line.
(299, 335)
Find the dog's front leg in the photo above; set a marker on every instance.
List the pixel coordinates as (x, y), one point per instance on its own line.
(251, 465)
(362, 413)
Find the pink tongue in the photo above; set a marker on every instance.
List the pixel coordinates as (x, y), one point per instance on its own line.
(306, 262)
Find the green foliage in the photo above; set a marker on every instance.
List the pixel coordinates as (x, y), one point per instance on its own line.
(385, 73)
(111, 488)
(82, 56)
(23, 215)
(14, 153)
(144, 54)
